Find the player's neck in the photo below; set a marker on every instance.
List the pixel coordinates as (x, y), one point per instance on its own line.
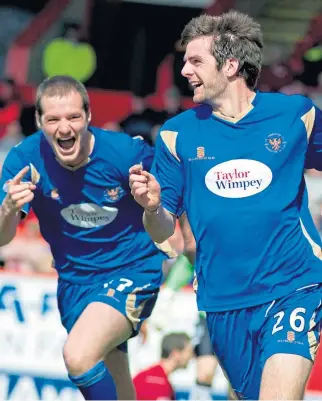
(235, 101)
(168, 366)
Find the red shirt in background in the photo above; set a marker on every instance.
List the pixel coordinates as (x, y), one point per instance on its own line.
(153, 384)
(314, 384)
(8, 115)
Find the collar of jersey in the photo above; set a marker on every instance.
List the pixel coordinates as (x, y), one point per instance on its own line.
(241, 115)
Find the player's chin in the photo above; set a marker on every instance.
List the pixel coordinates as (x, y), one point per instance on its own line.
(198, 95)
(68, 157)
(198, 98)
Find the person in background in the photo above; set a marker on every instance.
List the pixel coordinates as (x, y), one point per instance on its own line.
(141, 121)
(9, 106)
(153, 383)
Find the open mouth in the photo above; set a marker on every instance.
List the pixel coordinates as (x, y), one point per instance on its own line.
(195, 85)
(66, 144)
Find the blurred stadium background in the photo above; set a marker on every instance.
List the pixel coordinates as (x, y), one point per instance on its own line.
(128, 55)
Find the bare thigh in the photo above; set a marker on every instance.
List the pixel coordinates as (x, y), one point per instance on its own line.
(284, 377)
(99, 329)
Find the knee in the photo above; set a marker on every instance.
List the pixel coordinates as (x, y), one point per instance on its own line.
(76, 362)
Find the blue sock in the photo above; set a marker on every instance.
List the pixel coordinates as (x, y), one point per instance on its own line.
(96, 384)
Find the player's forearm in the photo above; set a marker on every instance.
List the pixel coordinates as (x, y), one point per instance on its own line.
(160, 224)
(9, 221)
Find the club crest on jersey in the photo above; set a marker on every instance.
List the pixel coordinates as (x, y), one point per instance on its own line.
(114, 194)
(275, 143)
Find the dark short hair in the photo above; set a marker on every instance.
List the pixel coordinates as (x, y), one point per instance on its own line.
(173, 341)
(61, 85)
(235, 35)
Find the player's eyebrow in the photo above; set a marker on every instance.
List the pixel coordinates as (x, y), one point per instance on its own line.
(191, 57)
(69, 114)
(48, 116)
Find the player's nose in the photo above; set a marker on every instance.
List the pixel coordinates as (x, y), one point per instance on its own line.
(64, 127)
(186, 70)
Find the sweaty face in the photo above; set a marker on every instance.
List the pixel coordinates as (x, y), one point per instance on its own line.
(201, 71)
(65, 125)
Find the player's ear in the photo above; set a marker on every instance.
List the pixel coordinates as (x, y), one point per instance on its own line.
(232, 67)
(89, 117)
(37, 118)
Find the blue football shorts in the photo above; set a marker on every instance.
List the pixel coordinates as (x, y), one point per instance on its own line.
(132, 294)
(244, 339)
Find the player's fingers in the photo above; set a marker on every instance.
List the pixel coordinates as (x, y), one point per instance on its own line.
(148, 175)
(17, 179)
(25, 200)
(137, 185)
(137, 190)
(136, 169)
(20, 195)
(136, 178)
(13, 189)
(140, 192)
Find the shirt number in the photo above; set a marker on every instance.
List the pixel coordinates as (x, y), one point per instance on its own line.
(297, 321)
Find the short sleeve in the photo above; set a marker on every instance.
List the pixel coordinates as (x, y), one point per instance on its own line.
(167, 169)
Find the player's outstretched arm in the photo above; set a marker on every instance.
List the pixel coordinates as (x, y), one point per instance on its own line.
(158, 222)
(18, 194)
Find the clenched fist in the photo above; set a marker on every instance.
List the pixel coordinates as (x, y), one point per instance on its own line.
(145, 188)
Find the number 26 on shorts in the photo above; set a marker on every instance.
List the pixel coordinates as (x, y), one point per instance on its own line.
(297, 320)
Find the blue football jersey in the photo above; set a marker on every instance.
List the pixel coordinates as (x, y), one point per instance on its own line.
(240, 181)
(87, 215)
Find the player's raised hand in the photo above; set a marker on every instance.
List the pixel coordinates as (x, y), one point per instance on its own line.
(19, 193)
(145, 188)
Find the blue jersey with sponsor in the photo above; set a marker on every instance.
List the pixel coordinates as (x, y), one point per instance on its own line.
(241, 182)
(88, 215)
